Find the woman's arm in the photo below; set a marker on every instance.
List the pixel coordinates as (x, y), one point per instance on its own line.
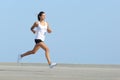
(48, 28)
(33, 26)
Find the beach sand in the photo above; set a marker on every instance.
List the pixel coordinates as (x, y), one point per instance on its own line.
(37, 71)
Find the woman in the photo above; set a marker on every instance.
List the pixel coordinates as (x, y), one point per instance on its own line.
(42, 27)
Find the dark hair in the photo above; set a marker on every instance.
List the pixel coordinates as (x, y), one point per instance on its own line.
(40, 14)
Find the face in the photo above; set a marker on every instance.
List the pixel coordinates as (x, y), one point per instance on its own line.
(43, 16)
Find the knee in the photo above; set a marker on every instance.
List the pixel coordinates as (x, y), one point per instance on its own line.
(47, 49)
(33, 52)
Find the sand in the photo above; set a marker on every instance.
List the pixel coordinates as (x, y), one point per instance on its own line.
(37, 71)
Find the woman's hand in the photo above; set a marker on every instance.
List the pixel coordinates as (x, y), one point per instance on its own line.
(32, 28)
(48, 29)
(33, 31)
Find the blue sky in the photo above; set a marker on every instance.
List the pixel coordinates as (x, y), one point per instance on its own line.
(84, 31)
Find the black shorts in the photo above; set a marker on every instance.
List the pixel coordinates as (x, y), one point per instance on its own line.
(38, 41)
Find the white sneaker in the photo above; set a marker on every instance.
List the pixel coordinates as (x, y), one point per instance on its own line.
(19, 58)
(52, 65)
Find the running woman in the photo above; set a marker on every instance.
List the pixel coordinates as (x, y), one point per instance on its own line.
(41, 28)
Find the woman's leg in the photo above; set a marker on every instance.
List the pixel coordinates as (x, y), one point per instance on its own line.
(35, 49)
(44, 46)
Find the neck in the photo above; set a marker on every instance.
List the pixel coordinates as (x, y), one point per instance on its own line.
(42, 20)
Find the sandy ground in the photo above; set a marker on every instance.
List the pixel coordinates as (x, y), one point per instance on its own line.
(34, 71)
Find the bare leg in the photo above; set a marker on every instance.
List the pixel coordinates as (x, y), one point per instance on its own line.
(46, 49)
(35, 49)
